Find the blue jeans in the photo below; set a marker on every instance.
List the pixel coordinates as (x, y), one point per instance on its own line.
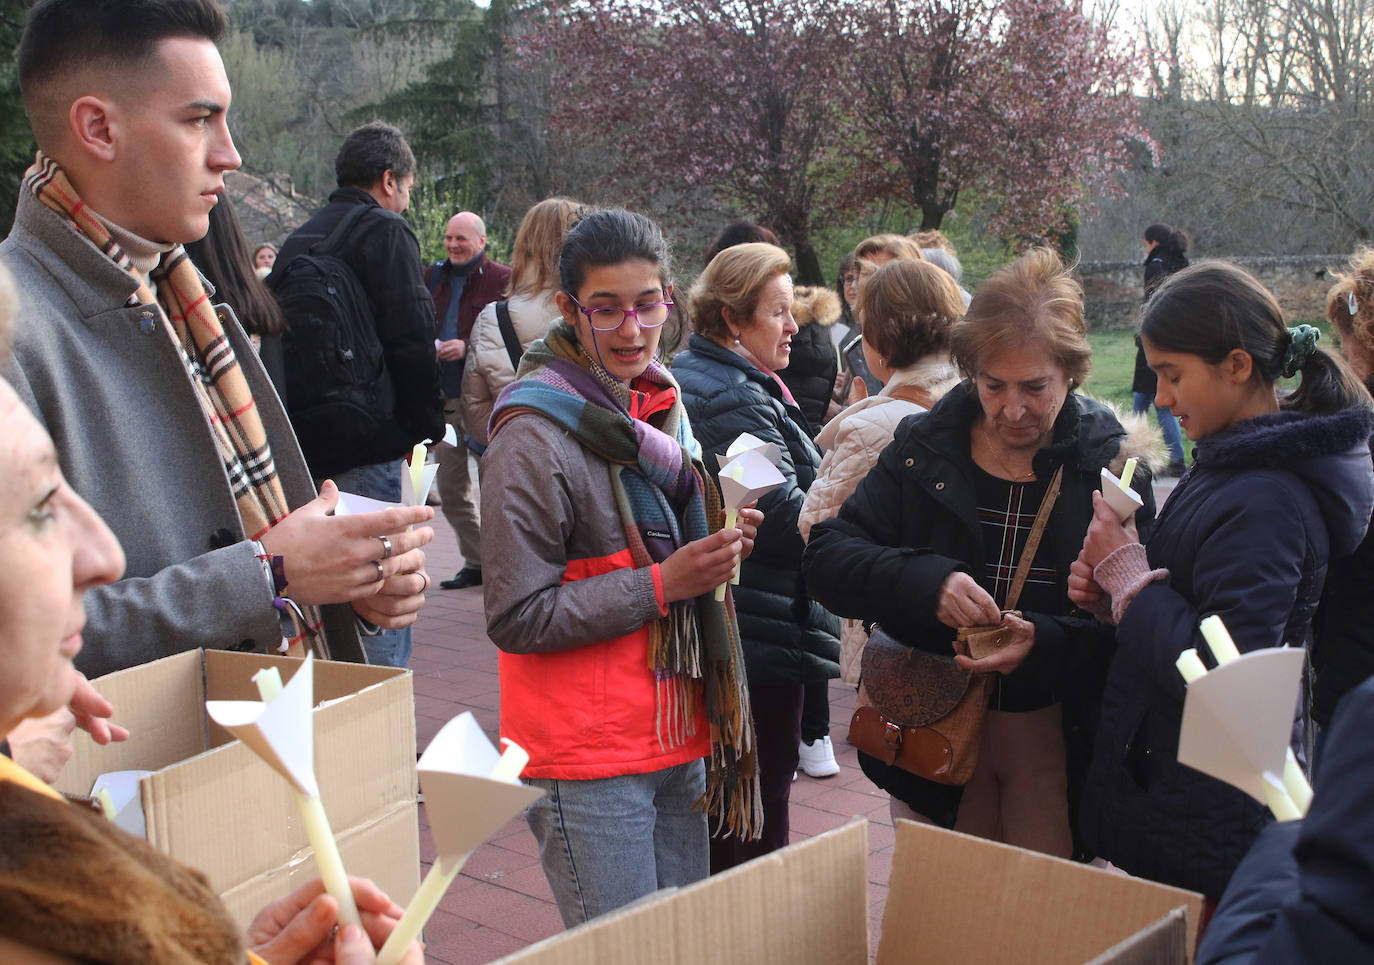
(1173, 438)
(604, 843)
(381, 480)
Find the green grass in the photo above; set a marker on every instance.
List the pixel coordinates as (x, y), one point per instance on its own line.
(1113, 367)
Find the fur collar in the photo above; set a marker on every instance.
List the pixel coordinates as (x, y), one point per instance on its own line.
(815, 305)
(74, 885)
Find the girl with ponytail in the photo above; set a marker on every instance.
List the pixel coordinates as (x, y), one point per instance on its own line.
(1278, 486)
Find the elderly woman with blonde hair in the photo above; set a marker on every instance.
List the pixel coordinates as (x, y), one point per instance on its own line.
(742, 332)
(930, 539)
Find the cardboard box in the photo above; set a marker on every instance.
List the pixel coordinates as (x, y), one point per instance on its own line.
(214, 805)
(952, 899)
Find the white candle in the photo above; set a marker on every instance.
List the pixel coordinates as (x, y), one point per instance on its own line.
(268, 680)
(408, 929)
(730, 519)
(417, 468)
(1218, 639)
(317, 829)
(1279, 802)
(432, 889)
(1190, 665)
(1295, 783)
(1127, 471)
(512, 762)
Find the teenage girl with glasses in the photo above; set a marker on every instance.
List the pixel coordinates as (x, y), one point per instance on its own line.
(619, 671)
(1279, 486)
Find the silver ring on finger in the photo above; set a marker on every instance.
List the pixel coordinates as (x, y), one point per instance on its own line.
(381, 572)
(386, 546)
(424, 577)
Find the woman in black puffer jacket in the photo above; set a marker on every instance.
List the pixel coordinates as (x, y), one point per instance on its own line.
(742, 332)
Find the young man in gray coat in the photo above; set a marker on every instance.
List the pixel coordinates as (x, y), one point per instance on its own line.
(163, 417)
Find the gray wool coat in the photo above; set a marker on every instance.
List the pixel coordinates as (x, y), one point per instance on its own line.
(111, 389)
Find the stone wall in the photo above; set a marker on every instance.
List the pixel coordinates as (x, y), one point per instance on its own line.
(1112, 290)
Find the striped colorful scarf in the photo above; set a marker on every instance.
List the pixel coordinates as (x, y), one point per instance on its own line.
(658, 487)
(192, 324)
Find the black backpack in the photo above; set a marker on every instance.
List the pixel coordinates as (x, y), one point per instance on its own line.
(338, 390)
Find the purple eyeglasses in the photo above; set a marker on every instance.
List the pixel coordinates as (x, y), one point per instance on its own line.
(609, 319)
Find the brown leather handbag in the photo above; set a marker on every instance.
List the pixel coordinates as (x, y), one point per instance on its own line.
(921, 711)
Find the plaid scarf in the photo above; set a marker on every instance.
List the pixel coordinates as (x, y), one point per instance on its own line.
(657, 486)
(192, 324)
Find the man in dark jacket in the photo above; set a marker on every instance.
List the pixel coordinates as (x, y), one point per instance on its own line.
(462, 285)
(375, 169)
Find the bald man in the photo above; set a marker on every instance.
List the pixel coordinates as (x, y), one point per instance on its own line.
(462, 285)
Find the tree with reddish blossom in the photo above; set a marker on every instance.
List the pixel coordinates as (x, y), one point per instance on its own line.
(1024, 101)
(704, 106)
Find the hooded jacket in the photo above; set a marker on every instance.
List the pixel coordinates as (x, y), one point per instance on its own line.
(914, 520)
(810, 375)
(1246, 535)
(787, 637)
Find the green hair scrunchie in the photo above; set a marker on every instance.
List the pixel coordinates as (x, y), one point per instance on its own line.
(1302, 345)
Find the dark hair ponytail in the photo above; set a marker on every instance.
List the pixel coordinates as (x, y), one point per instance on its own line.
(608, 237)
(1168, 238)
(1211, 309)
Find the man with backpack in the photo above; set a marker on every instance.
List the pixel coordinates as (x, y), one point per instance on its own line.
(462, 285)
(361, 374)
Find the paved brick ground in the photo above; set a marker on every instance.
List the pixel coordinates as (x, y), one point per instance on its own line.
(501, 902)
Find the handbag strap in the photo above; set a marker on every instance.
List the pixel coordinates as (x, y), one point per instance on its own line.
(508, 336)
(1033, 540)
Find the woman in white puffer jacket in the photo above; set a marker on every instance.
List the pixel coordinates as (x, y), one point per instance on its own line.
(533, 283)
(908, 309)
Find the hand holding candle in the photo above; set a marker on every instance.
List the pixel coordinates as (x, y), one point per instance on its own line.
(1118, 493)
(744, 479)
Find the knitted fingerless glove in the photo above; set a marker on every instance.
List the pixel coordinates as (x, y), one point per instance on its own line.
(1123, 574)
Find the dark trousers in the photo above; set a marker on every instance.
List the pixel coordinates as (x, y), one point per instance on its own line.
(815, 721)
(777, 726)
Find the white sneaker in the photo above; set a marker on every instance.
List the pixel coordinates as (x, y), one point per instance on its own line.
(818, 758)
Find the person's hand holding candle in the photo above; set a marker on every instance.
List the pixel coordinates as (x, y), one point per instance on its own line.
(1106, 533)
